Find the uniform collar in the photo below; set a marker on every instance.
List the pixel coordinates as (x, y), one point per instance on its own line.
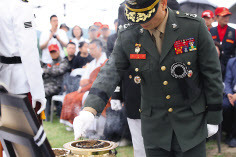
(161, 28)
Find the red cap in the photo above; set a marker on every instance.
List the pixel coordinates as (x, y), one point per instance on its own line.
(53, 47)
(222, 11)
(99, 24)
(208, 13)
(105, 26)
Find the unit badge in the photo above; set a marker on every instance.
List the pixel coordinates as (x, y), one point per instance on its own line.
(137, 55)
(137, 79)
(184, 46)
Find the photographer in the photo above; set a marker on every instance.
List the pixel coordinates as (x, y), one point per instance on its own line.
(53, 36)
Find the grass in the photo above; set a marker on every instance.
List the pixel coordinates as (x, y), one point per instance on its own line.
(58, 136)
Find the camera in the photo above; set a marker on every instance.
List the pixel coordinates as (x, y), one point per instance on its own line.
(54, 36)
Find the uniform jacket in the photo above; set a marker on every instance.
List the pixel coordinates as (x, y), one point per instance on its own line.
(164, 108)
(53, 75)
(18, 38)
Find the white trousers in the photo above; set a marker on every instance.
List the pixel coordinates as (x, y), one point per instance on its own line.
(137, 138)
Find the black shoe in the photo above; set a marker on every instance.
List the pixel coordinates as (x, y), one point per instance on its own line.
(227, 140)
(232, 142)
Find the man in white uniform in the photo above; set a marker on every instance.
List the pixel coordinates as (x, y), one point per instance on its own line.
(20, 69)
(53, 36)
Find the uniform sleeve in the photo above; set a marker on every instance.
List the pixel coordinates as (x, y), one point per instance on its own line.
(108, 78)
(229, 78)
(210, 70)
(25, 33)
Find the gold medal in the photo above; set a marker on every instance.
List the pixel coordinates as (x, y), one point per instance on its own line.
(137, 48)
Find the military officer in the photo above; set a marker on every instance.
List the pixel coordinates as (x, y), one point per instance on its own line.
(179, 71)
(20, 69)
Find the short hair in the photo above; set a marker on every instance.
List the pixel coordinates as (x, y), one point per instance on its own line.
(116, 21)
(80, 29)
(81, 44)
(71, 43)
(97, 42)
(52, 17)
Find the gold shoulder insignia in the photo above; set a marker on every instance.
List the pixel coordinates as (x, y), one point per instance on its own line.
(25, 1)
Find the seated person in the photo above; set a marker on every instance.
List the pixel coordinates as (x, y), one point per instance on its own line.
(70, 83)
(83, 57)
(73, 102)
(229, 101)
(70, 49)
(53, 75)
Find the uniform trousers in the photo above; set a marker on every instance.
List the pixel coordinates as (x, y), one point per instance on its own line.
(137, 138)
(197, 151)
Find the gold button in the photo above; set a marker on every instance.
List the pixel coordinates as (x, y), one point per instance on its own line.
(168, 97)
(140, 110)
(189, 63)
(163, 68)
(170, 109)
(177, 12)
(130, 76)
(136, 69)
(165, 83)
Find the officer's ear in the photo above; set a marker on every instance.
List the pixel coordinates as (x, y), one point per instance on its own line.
(163, 4)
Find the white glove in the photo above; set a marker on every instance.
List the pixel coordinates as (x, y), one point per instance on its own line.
(212, 129)
(116, 105)
(42, 102)
(81, 123)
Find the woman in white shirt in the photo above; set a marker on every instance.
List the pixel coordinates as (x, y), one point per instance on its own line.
(77, 34)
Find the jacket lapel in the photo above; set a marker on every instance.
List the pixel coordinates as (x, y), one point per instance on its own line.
(171, 34)
(148, 44)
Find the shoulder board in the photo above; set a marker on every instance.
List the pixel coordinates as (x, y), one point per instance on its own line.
(187, 15)
(25, 1)
(126, 27)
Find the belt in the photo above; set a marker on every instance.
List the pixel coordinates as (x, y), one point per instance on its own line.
(10, 60)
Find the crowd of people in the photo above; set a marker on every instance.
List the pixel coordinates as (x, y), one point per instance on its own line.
(225, 40)
(70, 66)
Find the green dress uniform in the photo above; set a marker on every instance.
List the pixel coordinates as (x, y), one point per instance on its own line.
(181, 88)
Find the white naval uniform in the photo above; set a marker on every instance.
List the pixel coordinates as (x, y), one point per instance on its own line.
(18, 38)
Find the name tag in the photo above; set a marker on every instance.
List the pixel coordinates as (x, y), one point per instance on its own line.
(137, 56)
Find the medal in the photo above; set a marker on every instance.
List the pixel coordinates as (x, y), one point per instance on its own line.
(190, 73)
(137, 79)
(137, 48)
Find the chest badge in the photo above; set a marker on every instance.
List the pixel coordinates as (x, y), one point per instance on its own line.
(137, 48)
(137, 79)
(137, 55)
(230, 34)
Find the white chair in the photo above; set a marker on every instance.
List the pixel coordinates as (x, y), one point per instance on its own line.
(59, 98)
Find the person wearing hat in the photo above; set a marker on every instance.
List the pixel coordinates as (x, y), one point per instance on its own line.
(53, 76)
(224, 34)
(105, 32)
(208, 16)
(177, 66)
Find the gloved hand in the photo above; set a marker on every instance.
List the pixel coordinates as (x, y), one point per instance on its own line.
(116, 105)
(42, 102)
(212, 129)
(81, 123)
